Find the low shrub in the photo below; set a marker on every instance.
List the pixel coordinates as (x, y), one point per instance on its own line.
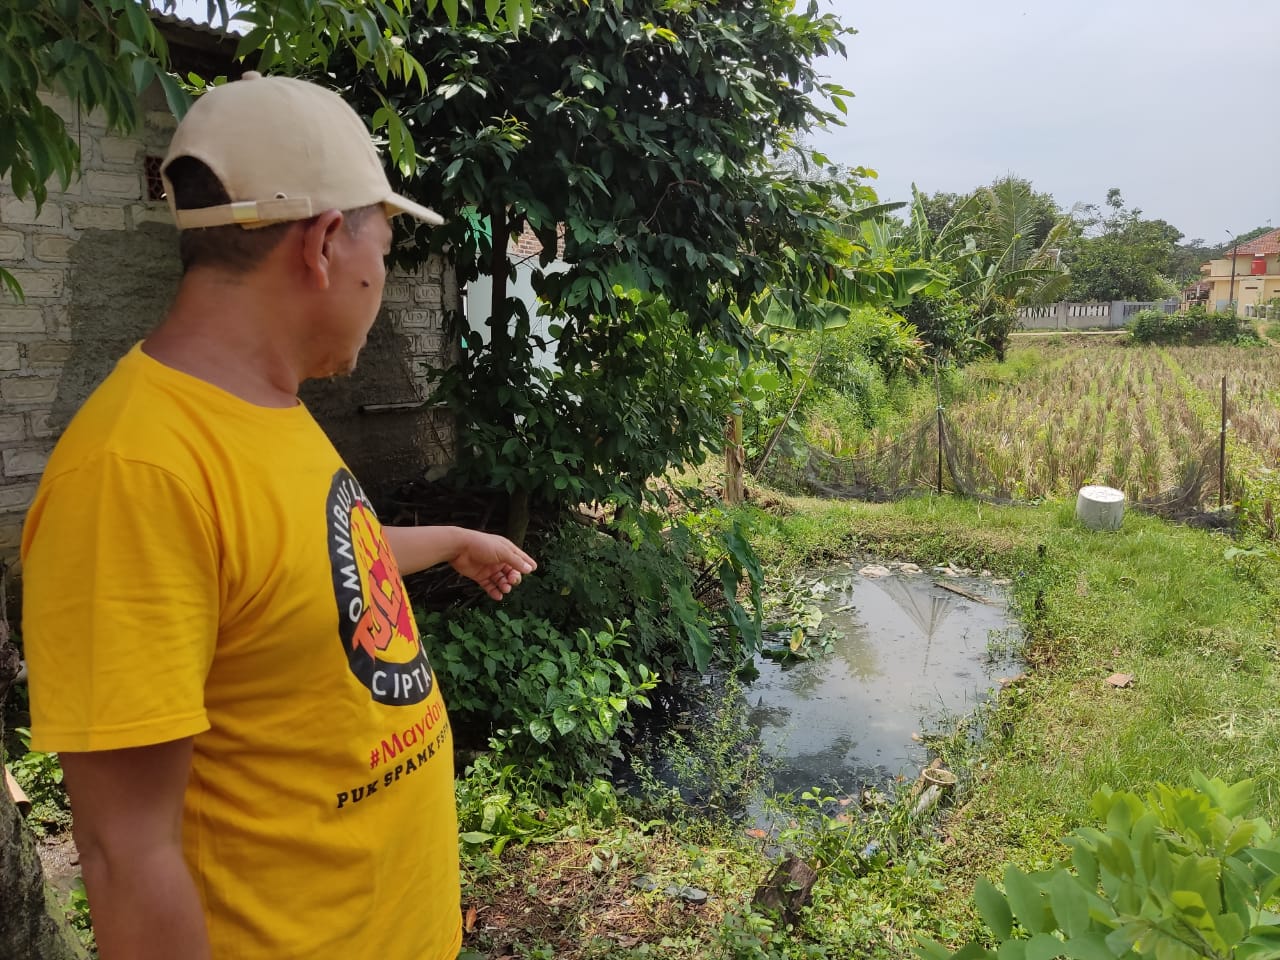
(559, 666)
(40, 776)
(1193, 325)
(1181, 874)
(535, 683)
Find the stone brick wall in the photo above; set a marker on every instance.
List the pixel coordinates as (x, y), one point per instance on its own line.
(528, 245)
(98, 265)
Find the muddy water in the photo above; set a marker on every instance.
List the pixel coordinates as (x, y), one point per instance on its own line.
(912, 657)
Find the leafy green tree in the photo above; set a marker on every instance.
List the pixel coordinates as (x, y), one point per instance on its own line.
(639, 136)
(1118, 255)
(1044, 213)
(939, 208)
(946, 324)
(1107, 268)
(1187, 258)
(1243, 238)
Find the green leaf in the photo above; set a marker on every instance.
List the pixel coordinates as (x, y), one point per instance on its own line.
(993, 908)
(540, 730)
(1091, 946)
(928, 949)
(1044, 946)
(475, 837)
(1025, 899)
(518, 14)
(177, 98)
(564, 721)
(10, 283)
(139, 26)
(1069, 903)
(1121, 940)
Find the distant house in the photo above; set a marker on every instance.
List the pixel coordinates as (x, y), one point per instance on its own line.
(1198, 294)
(1256, 275)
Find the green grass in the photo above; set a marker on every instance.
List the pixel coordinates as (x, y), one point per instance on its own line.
(802, 531)
(1155, 600)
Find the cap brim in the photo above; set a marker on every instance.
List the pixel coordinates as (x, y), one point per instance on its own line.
(398, 204)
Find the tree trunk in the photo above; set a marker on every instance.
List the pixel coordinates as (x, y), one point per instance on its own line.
(499, 266)
(734, 458)
(518, 516)
(500, 345)
(788, 890)
(31, 925)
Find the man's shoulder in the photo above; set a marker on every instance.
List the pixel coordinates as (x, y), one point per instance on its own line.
(127, 417)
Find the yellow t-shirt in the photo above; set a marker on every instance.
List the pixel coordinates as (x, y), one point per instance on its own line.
(198, 566)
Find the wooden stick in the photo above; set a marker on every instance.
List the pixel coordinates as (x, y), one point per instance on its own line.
(20, 799)
(975, 597)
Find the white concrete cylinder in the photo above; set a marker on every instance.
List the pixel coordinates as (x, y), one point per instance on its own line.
(1100, 508)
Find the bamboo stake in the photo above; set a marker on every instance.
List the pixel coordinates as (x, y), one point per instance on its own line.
(1222, 448)
(937, 381)
(777, 434)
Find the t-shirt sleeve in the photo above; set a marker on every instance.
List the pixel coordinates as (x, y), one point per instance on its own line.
(120, 607)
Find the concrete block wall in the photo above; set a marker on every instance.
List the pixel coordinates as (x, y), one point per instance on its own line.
(98, 265)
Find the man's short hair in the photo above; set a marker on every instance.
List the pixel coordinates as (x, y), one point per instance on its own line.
(230, 248)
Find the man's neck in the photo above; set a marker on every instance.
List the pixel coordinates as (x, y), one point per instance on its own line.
(230, 335)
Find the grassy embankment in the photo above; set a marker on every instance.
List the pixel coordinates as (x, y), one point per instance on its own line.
(1197, 631)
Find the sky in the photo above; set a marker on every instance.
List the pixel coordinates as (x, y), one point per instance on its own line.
(1175, 102)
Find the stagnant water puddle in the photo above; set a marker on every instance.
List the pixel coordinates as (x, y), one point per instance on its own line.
(908, 652)
(912, 651)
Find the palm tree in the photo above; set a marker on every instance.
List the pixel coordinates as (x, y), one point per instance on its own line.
(987, 248)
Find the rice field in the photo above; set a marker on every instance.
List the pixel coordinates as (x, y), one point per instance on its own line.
(1142, 419)
(1253, 391)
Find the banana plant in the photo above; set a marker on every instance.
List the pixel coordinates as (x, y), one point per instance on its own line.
(986, 249)
(864, 253)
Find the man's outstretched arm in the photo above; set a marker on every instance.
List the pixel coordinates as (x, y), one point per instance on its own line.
(127, 809)
(494, 562)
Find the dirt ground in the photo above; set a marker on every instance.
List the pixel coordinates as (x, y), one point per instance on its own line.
(61, 862)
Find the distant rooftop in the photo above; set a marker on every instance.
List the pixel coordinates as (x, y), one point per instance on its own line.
(186, 23)
(1263, 246)
(197, 46)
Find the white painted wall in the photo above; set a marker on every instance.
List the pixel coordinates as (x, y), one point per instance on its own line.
(478, 301)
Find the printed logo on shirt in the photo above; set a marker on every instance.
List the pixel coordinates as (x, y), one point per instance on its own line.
(375, 620)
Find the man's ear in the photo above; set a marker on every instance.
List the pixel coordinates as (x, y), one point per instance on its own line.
(317, 247)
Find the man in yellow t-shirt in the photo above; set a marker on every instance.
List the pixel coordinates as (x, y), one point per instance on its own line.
(256, 749)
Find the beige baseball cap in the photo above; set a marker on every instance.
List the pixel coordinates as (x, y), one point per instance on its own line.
(284, 149)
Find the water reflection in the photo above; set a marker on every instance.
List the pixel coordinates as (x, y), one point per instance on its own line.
(911, 654)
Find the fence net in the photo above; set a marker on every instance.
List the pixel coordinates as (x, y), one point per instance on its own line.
(912, 463)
